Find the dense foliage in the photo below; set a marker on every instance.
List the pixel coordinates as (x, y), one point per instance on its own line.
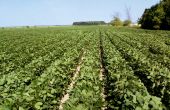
(127, 22)
(157, 17)
(116, 22)
(37, 66)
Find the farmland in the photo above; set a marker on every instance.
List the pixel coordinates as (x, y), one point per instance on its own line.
(84, 68)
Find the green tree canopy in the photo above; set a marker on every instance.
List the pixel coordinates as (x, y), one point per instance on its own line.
(127, 22)
(157, 17)
(116, 22)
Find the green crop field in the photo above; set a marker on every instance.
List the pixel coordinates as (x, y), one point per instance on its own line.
(84, 68)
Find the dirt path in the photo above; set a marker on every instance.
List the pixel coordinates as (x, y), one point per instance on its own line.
(71, 85)
(102, 72)
(102, 93)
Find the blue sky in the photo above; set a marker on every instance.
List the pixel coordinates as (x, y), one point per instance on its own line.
(64, 12)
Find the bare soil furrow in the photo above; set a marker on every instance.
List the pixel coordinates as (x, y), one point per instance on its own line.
(73, 81)
(102, 71)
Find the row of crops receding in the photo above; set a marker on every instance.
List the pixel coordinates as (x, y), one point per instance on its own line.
(84, 68)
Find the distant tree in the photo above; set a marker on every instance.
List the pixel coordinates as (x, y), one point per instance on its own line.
(127, 9)
(128, 21)
(116, 22)
(27, 26)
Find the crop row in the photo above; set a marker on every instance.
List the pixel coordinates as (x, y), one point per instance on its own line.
(154, 76)
(86, 94)
(40, 84)
(119, 69)
(123, 89)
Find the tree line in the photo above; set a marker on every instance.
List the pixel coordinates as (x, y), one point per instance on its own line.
(90, 23)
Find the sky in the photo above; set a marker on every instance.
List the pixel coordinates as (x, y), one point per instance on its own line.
(65, 12)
